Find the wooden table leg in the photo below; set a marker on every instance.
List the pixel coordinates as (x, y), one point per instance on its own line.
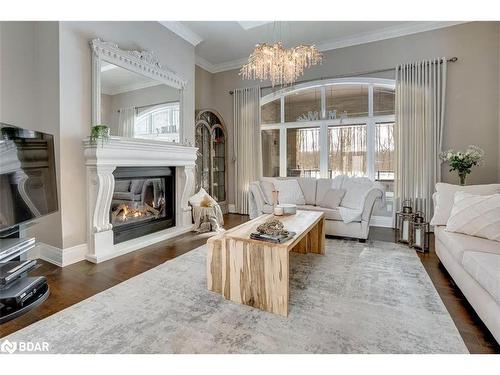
(258, 275)
(214, 264)
(314, 241)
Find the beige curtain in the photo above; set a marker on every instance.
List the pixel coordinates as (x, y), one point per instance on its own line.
(126, 122)
(247, 143)
(420, 107)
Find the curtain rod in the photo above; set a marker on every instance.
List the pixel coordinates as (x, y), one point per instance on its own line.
(452, 59)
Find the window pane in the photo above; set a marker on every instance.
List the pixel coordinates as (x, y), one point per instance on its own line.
(303, 152)
(384, 151)
(270, 112)
(271, 153)
(304, 105)
(159, 122)
(347, 150)
(383, 101)
(384, 165)
(346, 101)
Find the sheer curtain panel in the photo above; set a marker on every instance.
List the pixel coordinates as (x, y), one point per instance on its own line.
(420, 108)
(247, 143)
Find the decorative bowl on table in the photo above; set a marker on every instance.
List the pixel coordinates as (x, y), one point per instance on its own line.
(285, 209)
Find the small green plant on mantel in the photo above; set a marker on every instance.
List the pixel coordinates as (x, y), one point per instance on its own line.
(463, 161)
(99, 132)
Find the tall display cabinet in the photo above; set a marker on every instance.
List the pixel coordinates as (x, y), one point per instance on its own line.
(211, 164)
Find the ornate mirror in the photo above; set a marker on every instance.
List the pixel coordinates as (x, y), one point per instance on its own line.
(134, 95)
(211, 171)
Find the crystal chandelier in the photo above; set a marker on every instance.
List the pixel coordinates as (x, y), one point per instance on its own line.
(280, 65)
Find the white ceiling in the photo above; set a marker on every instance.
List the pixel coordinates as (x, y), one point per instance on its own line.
(225, 45)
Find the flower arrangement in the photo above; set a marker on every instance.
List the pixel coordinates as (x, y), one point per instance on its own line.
(463, 161)
(99, 132)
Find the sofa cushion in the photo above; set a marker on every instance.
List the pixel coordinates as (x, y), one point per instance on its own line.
(458, 243)
(330, 213)
(308, 186)
(485, 269)
(122, 185)
(337, 181)
(322, 186)
(289, 192)
(356, 189)
(332, 198)
(445, 195)
(476, 215)
(268, 209)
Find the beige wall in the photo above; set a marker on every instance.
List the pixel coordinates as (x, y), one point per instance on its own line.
(29, 95)
(472, 115)
(204, 86)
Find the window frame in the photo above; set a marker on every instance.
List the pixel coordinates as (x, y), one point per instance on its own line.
(148, 114)
(371, 120)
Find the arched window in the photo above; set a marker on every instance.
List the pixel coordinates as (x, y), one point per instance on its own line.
(330, 127)
(159, 121)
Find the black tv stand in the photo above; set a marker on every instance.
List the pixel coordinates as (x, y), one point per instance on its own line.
(18, 292)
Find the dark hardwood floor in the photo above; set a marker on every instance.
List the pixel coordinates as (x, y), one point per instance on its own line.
(74, 283)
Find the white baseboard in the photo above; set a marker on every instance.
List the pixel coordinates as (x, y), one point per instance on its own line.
(59, 257)
(231, 208)
(381, 221)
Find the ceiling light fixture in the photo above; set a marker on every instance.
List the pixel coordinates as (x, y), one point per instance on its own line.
(278, 64)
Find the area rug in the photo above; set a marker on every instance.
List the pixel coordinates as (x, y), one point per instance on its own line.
(358, 298)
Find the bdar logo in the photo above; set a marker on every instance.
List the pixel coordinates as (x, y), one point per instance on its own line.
(8, 347)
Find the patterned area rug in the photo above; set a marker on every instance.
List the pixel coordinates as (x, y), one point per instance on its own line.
(358, 298)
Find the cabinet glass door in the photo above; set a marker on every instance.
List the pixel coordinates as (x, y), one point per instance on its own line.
(218, 164)
(203, 159)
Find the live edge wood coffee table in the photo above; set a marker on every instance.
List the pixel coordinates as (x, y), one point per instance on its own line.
(256, 273)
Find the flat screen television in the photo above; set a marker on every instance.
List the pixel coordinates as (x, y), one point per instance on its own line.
(28, 188)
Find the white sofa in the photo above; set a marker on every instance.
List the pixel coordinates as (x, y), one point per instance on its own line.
(367, 192)
(474, 265)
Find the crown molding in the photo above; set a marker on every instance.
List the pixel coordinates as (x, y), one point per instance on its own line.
(386, 33)
(127, 88)
(205, 64)
(361, 38)
(183, 31)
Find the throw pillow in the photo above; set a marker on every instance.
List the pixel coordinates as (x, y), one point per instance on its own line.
(332, 198)
(475, 215)
(267, 188)
(355, 192)
(445, 194)
(199, 197)
(290, 192)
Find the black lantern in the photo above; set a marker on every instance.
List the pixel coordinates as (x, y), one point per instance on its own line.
(419, 233)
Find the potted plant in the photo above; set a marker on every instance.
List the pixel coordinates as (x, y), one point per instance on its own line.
(462, 162)
(99, 132)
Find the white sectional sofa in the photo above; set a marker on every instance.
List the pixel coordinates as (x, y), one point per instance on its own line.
(472, 262)
(352, 221)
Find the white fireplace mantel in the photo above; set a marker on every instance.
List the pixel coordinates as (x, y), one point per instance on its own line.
(102, 159)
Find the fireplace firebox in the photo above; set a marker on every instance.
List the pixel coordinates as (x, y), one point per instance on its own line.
(143, 201)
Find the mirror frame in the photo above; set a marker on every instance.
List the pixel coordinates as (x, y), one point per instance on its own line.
(141, 62)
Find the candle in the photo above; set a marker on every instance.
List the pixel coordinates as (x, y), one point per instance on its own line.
(405, 230)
